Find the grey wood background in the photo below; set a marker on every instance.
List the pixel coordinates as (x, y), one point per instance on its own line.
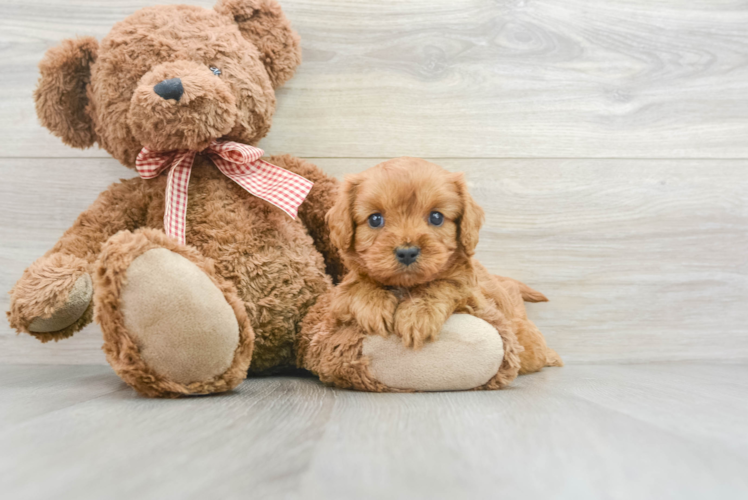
(607, 141)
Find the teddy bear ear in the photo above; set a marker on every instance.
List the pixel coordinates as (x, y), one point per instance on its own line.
(60, 95)
(263, 23)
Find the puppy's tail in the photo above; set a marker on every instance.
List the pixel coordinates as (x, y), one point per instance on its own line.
(528, 294)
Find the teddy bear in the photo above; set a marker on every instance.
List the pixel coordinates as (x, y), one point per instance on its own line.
(202, 269)
(182, 311)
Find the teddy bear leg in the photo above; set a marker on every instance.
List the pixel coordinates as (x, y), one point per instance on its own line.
(469, 353)
(171, 325)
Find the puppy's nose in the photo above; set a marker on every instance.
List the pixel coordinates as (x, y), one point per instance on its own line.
(169, 89)
(407, 255)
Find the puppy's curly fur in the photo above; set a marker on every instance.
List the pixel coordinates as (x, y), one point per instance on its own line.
(419, 205)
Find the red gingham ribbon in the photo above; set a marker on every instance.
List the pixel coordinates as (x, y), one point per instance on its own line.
(239, 162)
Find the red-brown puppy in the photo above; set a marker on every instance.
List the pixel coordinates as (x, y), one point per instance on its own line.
(407, 230)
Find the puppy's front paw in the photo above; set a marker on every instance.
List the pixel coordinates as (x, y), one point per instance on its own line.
(378, 318)
(416, 323)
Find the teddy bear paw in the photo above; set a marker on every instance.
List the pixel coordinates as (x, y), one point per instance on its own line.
(468, 353)
(78, 300)
(171, 325)
(52, 300)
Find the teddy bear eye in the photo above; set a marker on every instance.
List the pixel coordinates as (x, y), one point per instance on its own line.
(215, 71)
(376, 220)
(436, 218)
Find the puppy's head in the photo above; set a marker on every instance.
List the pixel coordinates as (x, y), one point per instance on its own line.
(404, 221)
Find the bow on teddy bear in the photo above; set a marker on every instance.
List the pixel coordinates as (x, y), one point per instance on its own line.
(190, 318)
(239, 162)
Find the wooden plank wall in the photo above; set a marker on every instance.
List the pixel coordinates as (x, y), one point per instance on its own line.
(607, 141)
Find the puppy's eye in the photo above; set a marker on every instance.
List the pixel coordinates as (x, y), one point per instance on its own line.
(436, 218)
(376, 220)
(215, 70)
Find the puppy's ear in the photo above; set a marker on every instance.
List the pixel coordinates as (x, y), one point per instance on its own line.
(340, 217)
(60, 95)
(263, 23)
(471, 219)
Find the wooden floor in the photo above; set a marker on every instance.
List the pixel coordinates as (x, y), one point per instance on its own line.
(607, 142)
(656, 431)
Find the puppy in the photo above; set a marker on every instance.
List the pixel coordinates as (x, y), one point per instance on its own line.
(407, 230)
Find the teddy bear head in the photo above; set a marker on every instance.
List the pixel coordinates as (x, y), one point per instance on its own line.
(171, 77)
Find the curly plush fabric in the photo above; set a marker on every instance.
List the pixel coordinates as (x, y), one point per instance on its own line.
(43, 292)
(270, 268)
(61, 99)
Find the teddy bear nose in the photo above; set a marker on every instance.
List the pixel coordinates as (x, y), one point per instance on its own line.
(407, 255)
(169, 89)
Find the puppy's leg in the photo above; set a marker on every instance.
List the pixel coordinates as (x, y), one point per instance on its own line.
(510, 295)
(363, 301)
(537, 354)
(332, 349)
(419, 319)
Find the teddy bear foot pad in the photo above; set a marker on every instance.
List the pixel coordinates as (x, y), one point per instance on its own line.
(467, 355)
(170, 325)
(185, 328)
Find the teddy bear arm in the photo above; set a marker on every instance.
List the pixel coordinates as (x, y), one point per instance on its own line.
(312, 212)
(52, 300)
(122, 206)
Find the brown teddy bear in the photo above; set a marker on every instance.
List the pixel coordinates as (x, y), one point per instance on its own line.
(182, 318)
(195, 273)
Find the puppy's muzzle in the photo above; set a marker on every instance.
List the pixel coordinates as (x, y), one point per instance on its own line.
(407, 255)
